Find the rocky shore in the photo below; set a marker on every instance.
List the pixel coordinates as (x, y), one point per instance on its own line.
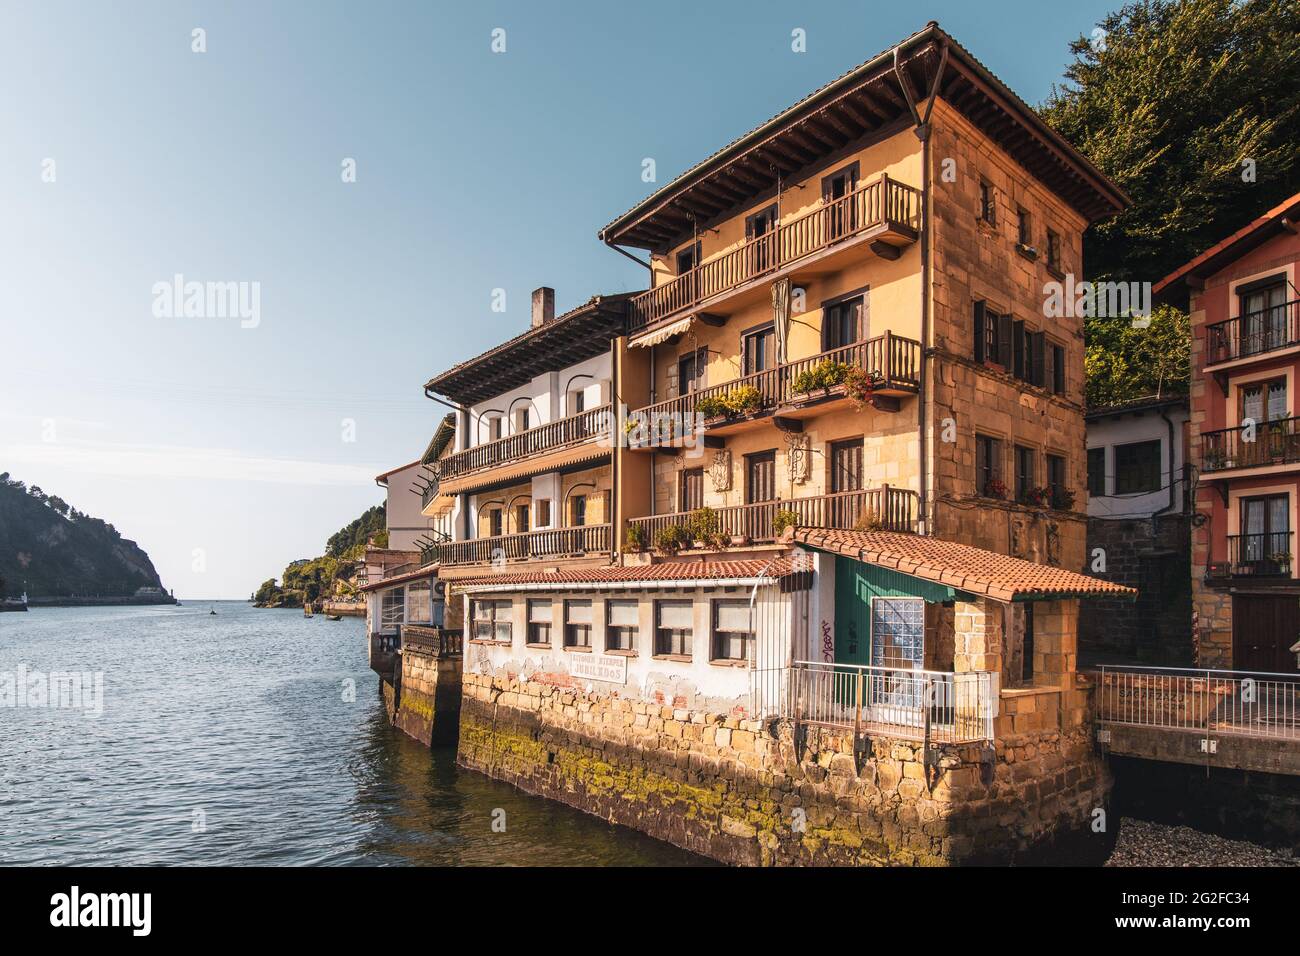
(1142, 843)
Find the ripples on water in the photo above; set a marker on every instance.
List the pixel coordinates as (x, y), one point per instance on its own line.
(243, 717)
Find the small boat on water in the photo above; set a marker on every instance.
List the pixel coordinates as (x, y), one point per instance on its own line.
(335, 617)
(210, 611)
(14, 604)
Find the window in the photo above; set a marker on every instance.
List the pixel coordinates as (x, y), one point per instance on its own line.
(673, 625)
(620, 625)
(419, 603)
(757, 226)
(758, 349)
(577, 624)
(1024, 472)
(521, 419)
(691, 495)
(494, 523)
(495, 427)
(539, 621)
(392, 609)
(1265, 542)
(543, 506)
(1097, 471)
(844, 323)
(688, 258)
(733, 630)
(994, 335)
(1262, 308)
(988, 203)
(1137, 467)
(760, 477)
(1264, 401)
(492, 621)
(577, 401)
(1057, 383)
(846, 465)
(897, 641)
(578, 511)
(842, 214)
(690, 371)
(1024, 227)
(1056, 480)
(988, 467)
(1053, 251)
(521, 519)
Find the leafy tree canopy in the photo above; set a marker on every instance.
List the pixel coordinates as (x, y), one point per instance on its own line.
(1123, 363)
(1169, 102)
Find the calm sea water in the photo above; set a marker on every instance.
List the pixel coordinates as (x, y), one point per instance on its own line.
(228, 740)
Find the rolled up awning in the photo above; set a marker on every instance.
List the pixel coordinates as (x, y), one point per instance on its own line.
(663, 334)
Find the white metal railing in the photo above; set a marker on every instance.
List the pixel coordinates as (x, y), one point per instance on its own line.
(936, 706)
(1240, 703)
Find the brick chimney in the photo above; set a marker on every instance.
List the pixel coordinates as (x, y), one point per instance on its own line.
(543, 305)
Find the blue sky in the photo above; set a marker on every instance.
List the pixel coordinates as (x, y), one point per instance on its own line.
(220, 448)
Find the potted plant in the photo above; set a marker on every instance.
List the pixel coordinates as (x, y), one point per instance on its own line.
(711, 406)
(994, 488)
(742, 400)
(635, 538)
(704, 528)
(825, 375)
(1063, 499)
(671, 538)
(1038, 497)
(859, 386)
(783, 519)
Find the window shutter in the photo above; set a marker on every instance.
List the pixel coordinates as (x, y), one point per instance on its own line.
(675, 615)
(1018, 349)
(623, 613)
(1037, 345)
(733, 616)
(979, 331)
(1004, 341)
(578, 612)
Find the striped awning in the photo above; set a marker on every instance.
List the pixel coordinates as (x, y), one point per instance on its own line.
(663, 334)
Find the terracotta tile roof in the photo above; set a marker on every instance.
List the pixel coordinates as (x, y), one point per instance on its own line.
(961, 566)
(426, 571)
(668, 572)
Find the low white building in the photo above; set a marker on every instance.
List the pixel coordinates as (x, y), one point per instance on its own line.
(1137, 458)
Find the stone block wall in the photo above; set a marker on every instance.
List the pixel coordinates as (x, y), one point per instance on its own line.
(757, 792)
(1152, 555)
(427, 699)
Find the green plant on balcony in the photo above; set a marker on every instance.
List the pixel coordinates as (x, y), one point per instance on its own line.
(1214, 459)
(783, 519)
(1063, 499)
(994, 488)
(672, 538)
(825, 375)
(1038, 497)
(711, 406)
(743, 399)
(860, 386)
(703, 525)
(634, 539)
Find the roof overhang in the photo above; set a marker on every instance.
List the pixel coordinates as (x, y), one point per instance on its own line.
(427, 571)
(1175, 287)
(576, 336)
(869, 102)
(963, 567)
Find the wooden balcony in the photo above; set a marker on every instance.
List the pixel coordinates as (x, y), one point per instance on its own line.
(1255, 333)
(586, 541)
(893, 509)
(892, 362)
(883, 212)
(1274, 443)
(577, 429)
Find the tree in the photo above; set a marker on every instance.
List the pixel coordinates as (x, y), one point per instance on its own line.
(1192, 107)
(1122, 363)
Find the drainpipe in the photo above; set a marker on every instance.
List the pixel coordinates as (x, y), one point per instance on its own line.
(1169, 507)
(462, 417)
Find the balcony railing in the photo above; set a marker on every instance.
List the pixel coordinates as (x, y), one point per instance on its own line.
(933, 706)
(1255, 555)
(549, 437)
(1255, 333)
(429, 492)
(1274, 442)
(882, 202)
(1236, 703)
(894, 363)
(552, 543)
(893, 509)
(433, 641)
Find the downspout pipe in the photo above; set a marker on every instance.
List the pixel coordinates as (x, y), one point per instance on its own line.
(1169, 507)
(462, 414)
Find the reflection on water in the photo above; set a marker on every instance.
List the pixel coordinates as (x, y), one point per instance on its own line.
(231, 739)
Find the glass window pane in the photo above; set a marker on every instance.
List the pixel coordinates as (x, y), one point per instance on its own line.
(732, 615)
(577, 612)
(539, 612)
(623, 613)
(675, 614)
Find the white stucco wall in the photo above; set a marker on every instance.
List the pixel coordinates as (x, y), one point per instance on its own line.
(1127, 428)
(405, 522)
(547, 397)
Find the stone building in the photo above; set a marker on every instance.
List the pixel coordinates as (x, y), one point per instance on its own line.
(831, 469)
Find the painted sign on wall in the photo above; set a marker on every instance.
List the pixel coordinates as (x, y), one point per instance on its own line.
(611, 670)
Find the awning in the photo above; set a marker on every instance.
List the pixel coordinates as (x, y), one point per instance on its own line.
(662, 335)
(961, 566)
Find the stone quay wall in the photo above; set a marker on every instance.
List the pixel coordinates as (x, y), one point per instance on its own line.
(760, 792)
(426, 701)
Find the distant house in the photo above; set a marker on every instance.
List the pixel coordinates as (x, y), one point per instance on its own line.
(1139, 531)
